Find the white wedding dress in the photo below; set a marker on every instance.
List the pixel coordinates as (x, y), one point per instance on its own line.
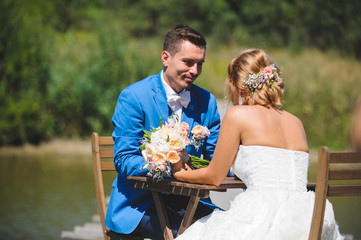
(276, 204)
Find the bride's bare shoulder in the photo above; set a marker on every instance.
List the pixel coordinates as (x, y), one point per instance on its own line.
(240, 112)
(246, 109)
(292, 117)
(239, 109)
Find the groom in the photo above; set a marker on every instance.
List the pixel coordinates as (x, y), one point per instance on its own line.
(140, 107)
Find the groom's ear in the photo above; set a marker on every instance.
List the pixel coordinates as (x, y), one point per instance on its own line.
(165, 58)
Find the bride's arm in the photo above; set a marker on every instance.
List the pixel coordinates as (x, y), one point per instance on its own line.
(224, 154)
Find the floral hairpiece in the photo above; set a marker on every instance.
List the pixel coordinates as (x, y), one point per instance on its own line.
(254, 81)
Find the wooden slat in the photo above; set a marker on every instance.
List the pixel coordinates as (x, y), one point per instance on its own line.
(106, 153)
(107, 166)
(106, 141)
(178, 190)
(345, 157)
(229, 182)
(344, 190)
(98, 179)
(345, 174)
(311, 186)
(321, 192)
(162, 215)
(188, 217)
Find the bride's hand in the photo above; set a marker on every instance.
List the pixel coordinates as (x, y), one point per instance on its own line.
(179, 167)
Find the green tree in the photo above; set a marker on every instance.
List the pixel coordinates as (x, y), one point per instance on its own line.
(24, 75)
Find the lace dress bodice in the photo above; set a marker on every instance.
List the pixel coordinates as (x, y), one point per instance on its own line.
(268, 168)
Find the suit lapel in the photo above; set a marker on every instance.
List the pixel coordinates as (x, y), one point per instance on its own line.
(160, 98)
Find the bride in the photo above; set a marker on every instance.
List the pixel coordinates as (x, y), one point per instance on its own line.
(266, 148)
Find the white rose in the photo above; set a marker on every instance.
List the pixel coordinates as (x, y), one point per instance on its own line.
(176, 144)
(159, 158)
(145, 156)
(149, 150)
(173, 157)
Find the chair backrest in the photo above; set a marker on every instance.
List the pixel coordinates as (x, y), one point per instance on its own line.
(102, 153)
(340, 166)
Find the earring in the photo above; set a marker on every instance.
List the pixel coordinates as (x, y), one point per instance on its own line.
(240, 100)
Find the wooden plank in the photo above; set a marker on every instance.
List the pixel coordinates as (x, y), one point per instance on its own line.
(162, 215)
(180, 188)
(98, 180)
(188, 217)
(106, 141)
(168, 188)
(311, 186)
(345, 157)
(345, 174)
(229, 182)
(344, 190)
(106, 153)
(107, 166)
(320, 196)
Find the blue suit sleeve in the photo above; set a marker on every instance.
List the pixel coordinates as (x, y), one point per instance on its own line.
(128, 122)
(213, 126)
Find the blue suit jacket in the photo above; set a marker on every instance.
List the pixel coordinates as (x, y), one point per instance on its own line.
(141, 106)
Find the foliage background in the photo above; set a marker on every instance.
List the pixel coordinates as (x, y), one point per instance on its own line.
(63, 63)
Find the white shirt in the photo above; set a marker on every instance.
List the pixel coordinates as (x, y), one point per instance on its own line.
(175, 106)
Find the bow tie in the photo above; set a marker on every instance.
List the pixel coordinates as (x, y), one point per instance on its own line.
(184, 98)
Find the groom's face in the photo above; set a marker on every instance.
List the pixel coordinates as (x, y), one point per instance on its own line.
(183, 68)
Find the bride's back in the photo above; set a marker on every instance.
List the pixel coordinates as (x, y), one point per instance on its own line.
(256, 80)
(271, 127)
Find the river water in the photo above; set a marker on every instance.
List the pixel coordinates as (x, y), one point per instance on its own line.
(43, 194)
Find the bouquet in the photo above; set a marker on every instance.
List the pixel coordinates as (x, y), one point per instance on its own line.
(166, 145)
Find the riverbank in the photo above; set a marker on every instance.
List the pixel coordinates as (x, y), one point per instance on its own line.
(58, 148)
(65, 148)
(37, 178)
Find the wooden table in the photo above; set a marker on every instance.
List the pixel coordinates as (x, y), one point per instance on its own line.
(193, 190)
(173, 186)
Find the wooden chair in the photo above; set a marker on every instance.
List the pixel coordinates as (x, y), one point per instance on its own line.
(103, 150)
(324, 188)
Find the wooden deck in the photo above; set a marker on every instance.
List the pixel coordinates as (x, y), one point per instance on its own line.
(93, 231)
(89, 231)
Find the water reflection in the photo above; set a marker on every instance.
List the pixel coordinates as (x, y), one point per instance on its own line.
(41, 196)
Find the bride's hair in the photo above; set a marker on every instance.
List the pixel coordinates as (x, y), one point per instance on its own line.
(253, 61)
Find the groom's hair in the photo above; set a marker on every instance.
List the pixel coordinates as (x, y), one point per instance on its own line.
(180, 33)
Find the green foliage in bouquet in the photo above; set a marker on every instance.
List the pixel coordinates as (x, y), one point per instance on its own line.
(197, 163)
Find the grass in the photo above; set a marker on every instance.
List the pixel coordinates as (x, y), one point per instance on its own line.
(322, 89)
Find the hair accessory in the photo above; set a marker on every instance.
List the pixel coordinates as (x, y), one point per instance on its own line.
(254, 81)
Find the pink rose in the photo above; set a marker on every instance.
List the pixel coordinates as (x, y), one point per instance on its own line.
(184, 128)
(184, 132)
(200, 132)
(187, 141)
(185, 125)
(268, 72)
(162, 168)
